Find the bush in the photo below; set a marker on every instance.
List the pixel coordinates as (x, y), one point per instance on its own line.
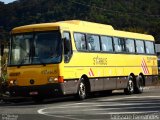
(3, 71)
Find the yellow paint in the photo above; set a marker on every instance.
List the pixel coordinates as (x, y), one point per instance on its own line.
(102, 64)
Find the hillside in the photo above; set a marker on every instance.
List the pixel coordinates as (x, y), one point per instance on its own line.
(132, 15)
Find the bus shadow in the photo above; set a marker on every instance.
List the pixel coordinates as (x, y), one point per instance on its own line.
(71, 98)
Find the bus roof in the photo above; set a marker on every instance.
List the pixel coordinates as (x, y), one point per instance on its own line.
(69, 24)
(133, 35)
(82, 26)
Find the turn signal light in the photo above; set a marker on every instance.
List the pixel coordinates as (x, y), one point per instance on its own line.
(60, 79)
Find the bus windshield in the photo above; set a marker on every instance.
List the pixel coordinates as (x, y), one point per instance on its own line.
(35, 48)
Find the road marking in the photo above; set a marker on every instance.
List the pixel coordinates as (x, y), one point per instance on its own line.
(75, 105)
(137, 97)
(99, 105)
(61, 116)
(62, 111)
(119, 108)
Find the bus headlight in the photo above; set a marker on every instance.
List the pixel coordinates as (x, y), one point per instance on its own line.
(50, 80)
(56, 79)
(13, 82)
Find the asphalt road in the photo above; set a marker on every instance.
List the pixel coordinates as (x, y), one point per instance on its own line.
(100, 107)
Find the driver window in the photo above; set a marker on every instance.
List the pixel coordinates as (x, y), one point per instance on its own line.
(67, 47)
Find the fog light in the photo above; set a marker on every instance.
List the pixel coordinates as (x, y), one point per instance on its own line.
(50, 79)
(15, 82)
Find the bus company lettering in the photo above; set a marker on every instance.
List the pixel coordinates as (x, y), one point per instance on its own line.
(15, 74)
(151, 58)
(49, 72)
(99, 61)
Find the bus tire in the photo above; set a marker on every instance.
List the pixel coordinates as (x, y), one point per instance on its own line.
(82, 90)
(130, 86)
(139, 85)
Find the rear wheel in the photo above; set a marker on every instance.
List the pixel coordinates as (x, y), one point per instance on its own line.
(82, 90)
(139, 85)
(130, 87)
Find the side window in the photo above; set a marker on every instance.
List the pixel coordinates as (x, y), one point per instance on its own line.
(80, 41)
(140, 46)
(93, 43)
(67, 46)
(119, 44)
(130, 46)
(149, 47)
(107, 44)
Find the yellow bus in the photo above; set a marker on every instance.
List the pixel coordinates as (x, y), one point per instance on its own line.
(78, 57)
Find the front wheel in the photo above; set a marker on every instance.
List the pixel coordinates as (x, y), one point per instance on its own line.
(130, 87)
(82, 91)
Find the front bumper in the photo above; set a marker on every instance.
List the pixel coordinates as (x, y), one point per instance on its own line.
(40, 90)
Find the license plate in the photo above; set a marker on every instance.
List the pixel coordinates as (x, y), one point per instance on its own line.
(33, 93)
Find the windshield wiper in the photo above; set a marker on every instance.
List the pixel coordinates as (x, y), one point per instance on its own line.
(41, 61)
(22, 61)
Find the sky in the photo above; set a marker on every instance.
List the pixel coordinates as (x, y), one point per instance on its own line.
(7, 1)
